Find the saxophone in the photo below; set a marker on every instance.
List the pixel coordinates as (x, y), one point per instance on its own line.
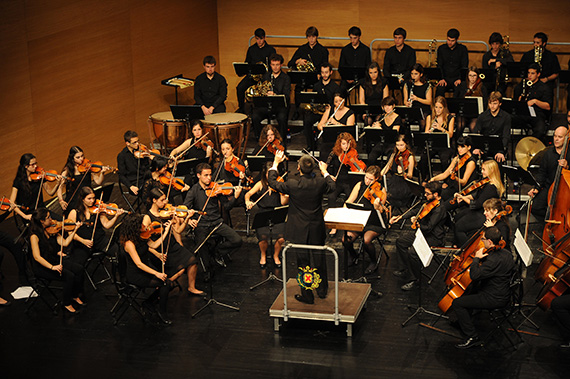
(431, 50)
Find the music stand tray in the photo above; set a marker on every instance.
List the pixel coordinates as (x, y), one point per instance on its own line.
(185, 167)
(433, 140)
(394, 82)
(331, 132)
(255, 164)
(466, 107)
(410, 115)
(516, 108)
(366, 109)
(178, 81)
(275, 102)
(244, 68)
(312, 98)
(487, 144)
(517, 69)
(187, 112)
(376, 135)
(304, 78)
(352, 73)
(433, 73)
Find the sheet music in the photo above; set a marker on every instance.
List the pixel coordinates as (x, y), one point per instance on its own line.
(531, 111)
(479, 103)
(522, 248)
(347, 215)
(422, 248)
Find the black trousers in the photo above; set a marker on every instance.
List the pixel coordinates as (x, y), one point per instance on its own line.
(72, 277)
(261, 113)
(231, 241)
(467, 222)
(81, 253)
(407, 259)
(464, 305)
(561, 310)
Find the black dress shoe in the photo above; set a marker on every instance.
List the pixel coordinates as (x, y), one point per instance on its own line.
(164, 319)
(262, 265)
(469, 343)
(303, 300)
(322, 293)
(278, 265)
(409, 286)
(372, 267)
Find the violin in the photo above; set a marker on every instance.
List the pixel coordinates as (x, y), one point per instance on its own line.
(373, 192)
(155, 227)
(236, 168)
(167, 179)
(49, 175)
(94, 167)
(110, 209)
(170, 210)
(403, 158)
(470, 189)
(279, 179)
(426, 209)
(204, 144)
(145, 152)
(215, 189)
(68, 225)
(6, 204)
(274, 147)
(461, 162)
(351, 159)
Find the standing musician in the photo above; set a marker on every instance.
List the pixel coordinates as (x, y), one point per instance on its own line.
(494, 122)
(417, 92)
(373, 91)
(430, 219)
(368, 192)
(257, 53)
(339, 115)
(439, 121)
(496, 58)
(400, 58)
(546, 59)
(140, 270)
(305, 223)
(91, 237)
(491, 272)
(195, 148)
(211, 202)
(280, 85)
(451, 58)
(72, 169)
(210, 88)
(469, 203)
(537, 95)
(133, 171)
(355, 54)
(460, 171)
(401, 164)
(546, 175)
(327, 86)
(267, 200)
(390, 120)
(473, 87)
(176, 258)
(49, 261)
(161, 178)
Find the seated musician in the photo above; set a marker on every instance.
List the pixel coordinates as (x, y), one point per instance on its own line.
(233, 169)
(210, 88)
(546, 175)
(160, 178)
(267, 200)
(256, 53)
(490, 272)
(431, 223)
(534, 93)
(280, 85)
(327, 86)
(401, 164)
(546, 59)
(194, 147)
(270, 142)
(368, 192)
(439, 121)
(355, 54)
(469, 215)
(133, 171)
(390, 120)
(418, 93)
(198, 199)
(460, 171)
(497, 58)
(178, 259)
(472, 86)
(494, 207)
(561, 311)
(51, 263)
(494, 122)
(337, 116)
(400, 58)
(451, 58)
(373, 91)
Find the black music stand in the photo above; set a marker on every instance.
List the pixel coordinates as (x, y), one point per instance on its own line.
(366, 109)
(105, 190)
(270, 218)
(166, 82)
(244, 68)
(313, 98)
(515, 108)
(487, 144)
(186, 168)
(410, 115)
(431, 141)
(467, 107)
(394, 82)
(517, 69)
(375, 136)
(564, 76)
(187, 112)
(352, 73)
(255, 163)
(433, 73)
(330, 132)
(303, 78)
(518, 174)
(272, 103)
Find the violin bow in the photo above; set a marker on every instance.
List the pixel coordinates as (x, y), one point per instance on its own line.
(341, 163)
(97, 217)
(61, 247)
(39, 192)
(262, 147)
(191, 146)
(311, 155)
(408, 211)
(266, 192)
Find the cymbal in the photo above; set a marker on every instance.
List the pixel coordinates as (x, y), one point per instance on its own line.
(527, 149)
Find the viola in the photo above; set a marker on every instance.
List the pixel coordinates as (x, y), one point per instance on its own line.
(111, 209)
(373, 192)
(352, 161)
(471, 188)
(170, 210)
(204, 144)
(215, 189)
(6, 204)
(426, 209)
(168, 180)
(94, 167)
(550, 291)
(145, 152)
(403, 157)
(49, 175)
(461, 162)
(155, 227)
(274, 147)
(236, 168)
(68, 225)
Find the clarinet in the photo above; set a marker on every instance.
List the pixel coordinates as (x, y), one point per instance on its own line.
(411, 93)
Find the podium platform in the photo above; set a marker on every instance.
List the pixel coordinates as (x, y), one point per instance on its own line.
(351, 300)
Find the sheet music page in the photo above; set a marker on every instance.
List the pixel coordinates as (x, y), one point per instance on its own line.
(422, 248)
(347, 215)
(522, 248)
(532, 112)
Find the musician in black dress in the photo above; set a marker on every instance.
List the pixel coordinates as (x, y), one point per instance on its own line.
(451, 58)
(337, 164)
(373, 91)
(417, 92)
(390, 120)
(494, 122)
(158, 179)
(538, 95)
(400, 58)
(401, 165)
(546, 175)
(497, 58)
(546, 59)
(374, 226)
(133, 171)
(256, 53)
(492, 207)
(355, 54)
(337, 115)
(210, 88)
(491, 273)
(268, 142)
(432, 227)
(267, 200)
(47, 254)
(305, 223)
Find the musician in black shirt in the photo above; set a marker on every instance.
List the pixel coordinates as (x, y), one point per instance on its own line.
(133, 171)
(451, 58)
(210, 88)
(546, 59)
(400, 58)
(536, 95)
(355, 54)
(259, 52)
(281, 85)
(497, 58)
(494, 122)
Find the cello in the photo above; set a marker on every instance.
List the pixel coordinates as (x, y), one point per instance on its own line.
(558, 286)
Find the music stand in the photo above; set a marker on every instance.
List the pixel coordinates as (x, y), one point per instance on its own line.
(270, 218)
(172, 83)
(303, 78)
(466, 107)
(313, 98)
(487, 144)
(244, 68)
(410, 115)
(518, 174)
(516, 108)
(517, 69)
(366, 109)
(186, 167)
(255, 163)
(375, 136)
(272, 103)
(394, 82)
(330, 132)
(352, 73)
(106, 190)
(187, 112)
(431, 141)
(433, 73)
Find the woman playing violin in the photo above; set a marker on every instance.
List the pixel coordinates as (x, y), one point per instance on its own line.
(28, 192)
(159, 178)
(460, 171)
(234, 170)
(338, 165)
(390, 120)
(268, 199)
(86, 241)
(178, 258)
(401, 164)
(201, 150)
(270, 142)
(47, 255)
(368, 192)
(473, 86)
(71, 169)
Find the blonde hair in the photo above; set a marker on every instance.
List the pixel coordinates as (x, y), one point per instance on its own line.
(494, 175)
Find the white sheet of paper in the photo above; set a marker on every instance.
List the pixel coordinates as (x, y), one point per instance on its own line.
(23, 293)
(422, 248)
(522, 248)
(532, 112)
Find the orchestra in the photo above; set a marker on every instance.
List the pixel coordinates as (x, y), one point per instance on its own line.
(466, 202)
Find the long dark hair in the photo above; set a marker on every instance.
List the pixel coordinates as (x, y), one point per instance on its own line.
(70, 163)
(263, 174)
(36, 226)
(158, 163)
(80, 208)
(22, 174)
(369, 88)
(131, 229)
(154, 194)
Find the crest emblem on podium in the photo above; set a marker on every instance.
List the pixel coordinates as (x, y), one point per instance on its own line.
(308, 278)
